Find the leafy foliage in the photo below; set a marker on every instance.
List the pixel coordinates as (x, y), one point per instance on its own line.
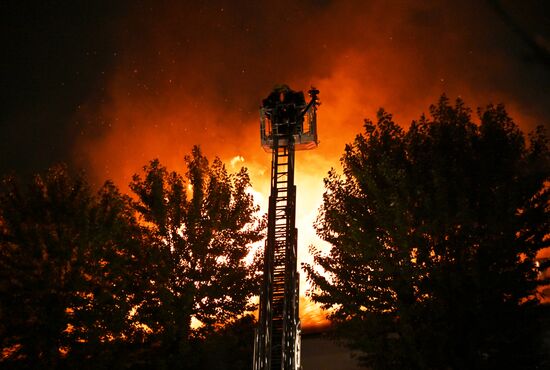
(66, 273)
(201, 227)
(228, 347)
(435, 232)
(103, 281)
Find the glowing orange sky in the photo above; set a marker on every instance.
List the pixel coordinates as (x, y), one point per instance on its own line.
(196, 74)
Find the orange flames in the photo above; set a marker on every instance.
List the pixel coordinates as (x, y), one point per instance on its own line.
(196, 74)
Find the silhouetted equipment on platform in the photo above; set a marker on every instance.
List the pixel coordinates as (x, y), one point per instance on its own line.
(285, 112)
(287, 123)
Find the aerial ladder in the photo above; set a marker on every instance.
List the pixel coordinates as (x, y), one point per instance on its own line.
(287, 124)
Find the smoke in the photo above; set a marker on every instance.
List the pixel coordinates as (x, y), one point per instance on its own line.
(190, 73)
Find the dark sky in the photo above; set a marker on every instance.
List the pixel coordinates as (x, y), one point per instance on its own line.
(56, 56)
(81, 80)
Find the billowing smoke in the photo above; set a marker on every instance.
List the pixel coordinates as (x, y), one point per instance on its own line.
(195, 73)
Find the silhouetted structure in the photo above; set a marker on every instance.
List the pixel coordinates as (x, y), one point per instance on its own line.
(287, 124)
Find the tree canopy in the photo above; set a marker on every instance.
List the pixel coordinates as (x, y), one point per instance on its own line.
(434, 234)
(102, 280)
(201, 227)
(67, 276)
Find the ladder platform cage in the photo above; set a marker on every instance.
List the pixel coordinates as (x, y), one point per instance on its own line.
(289, 115)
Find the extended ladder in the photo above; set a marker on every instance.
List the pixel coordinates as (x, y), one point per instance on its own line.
(276, 339)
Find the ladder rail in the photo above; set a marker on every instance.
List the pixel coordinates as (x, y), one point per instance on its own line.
(275, 347)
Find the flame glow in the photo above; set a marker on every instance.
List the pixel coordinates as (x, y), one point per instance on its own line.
(195, 74)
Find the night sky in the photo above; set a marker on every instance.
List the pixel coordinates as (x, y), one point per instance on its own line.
(70, 69)
(56, 57)
(108, 85)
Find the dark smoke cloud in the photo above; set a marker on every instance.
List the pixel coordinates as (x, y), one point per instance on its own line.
(73, 74)
(195, 72)
(110, 87)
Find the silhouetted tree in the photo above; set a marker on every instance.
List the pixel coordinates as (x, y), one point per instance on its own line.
(434, 233)
(202, 226)
(67, 270)
(228, 347)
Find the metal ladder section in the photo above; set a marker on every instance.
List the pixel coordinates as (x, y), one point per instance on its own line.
(276, 341)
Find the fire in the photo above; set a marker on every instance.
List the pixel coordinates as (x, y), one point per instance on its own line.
(194, 74)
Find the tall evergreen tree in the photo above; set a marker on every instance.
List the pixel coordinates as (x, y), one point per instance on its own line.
(434, 233)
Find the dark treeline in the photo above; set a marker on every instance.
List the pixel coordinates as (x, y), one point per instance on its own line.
(435, 232)
(103, 280)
